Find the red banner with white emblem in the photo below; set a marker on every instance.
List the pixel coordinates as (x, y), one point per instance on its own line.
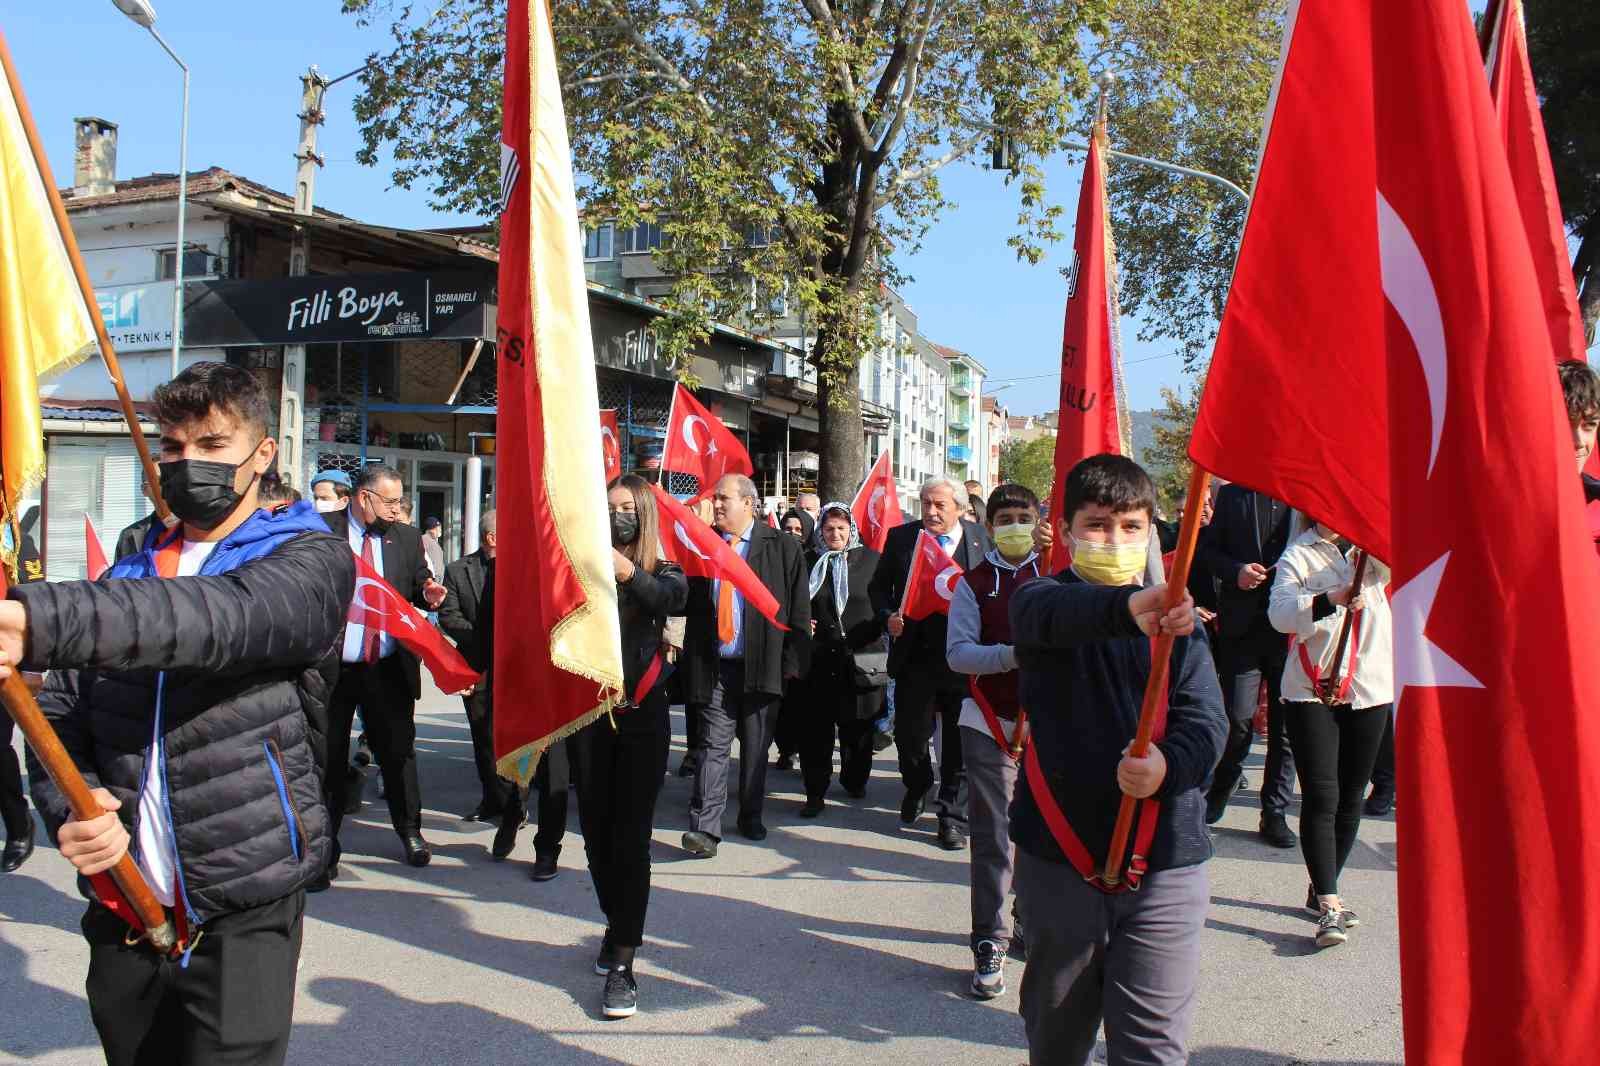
(699, 444)
(932, 582)
(877, 504)
(610, 444)
(377, 605)
(702, 552)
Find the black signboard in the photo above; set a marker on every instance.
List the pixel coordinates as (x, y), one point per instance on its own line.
(347, 307)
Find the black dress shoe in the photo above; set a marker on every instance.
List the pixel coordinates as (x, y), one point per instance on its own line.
(545, 868)
(505, 837)
(700, 845)
(1216, 806)
(17, 851)
(481, 813)
(325, 879)
(912, 806)
(417, 851)
(812, 808)
(951, 838)
(1276, 832)
(856, 793)
(752, 829)
(882, 741)
(1379, 804)
(785, 762)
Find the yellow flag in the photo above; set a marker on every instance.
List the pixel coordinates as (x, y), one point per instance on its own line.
(44, 320)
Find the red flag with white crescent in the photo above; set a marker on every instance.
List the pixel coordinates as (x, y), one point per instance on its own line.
(377, 605)
(1401, 327)
(877, 504)
(610, 446)
(931, 584)
(702, 552)
(93, 552)
(699, 444)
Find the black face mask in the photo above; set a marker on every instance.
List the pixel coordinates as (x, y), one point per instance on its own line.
(380, 525)
(624, 527)
(200, 492)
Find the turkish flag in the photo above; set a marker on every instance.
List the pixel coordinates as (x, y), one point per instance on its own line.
(610, 449)
(1091, 402)
(877, 504)
(699, 444)
(702, 552)
(377, 605)
(1384, 363)
(932, 581)
(772, 520)
(93, 552)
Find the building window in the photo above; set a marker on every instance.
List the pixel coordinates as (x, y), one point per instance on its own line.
(597, 242)
(760, 236)
(645, 237)
(196, 264)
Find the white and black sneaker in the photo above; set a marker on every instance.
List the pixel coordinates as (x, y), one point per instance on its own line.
(989, 969)
(607, 959)
(1314, 908)
(621, 998)
(1331, 928)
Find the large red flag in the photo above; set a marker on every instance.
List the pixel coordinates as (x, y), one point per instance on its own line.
(1397, 334)
(377, 605)
(610, 449)
(877, 504)
(93, 552)
(932, 581)
(702, 552)
(699, 444)
(556, 630)
(1090, 421)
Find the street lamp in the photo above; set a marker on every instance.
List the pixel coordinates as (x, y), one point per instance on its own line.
(141, 13)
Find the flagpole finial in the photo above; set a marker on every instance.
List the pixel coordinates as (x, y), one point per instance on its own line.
(1105, 80)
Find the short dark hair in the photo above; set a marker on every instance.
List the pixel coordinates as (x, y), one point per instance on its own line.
(377, 472)
(1580, 386)
(1108, 480)
(1008, 494)
(274, 490)
(203, 388)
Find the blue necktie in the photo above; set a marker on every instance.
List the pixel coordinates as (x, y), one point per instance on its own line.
(944, 542)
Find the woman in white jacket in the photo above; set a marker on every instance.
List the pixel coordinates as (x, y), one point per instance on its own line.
(1334, 712)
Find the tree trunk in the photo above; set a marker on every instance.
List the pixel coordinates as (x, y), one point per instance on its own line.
(1586, 268)
(843, 458)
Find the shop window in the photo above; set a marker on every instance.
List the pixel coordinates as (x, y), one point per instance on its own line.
(98, 477)
(196, 264)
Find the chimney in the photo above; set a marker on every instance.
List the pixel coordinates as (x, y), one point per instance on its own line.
(94, 159)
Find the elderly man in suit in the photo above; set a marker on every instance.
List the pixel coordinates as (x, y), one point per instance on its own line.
(926, 690)
(736, 664)
(378, 673)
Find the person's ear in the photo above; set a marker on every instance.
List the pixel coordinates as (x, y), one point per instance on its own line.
(265, 453)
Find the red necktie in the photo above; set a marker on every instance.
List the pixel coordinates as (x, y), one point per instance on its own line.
(371, 635)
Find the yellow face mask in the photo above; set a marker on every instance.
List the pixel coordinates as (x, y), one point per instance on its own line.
(1109, 564)
(1014, 541)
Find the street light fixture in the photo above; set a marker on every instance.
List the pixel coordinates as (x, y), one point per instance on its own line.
(141, 13)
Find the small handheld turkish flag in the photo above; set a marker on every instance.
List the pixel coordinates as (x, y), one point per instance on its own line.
(932, 581)
(877, 504)
(702, 552)
(378, 605)
(93, 552)
(610, 449)
(699, 444)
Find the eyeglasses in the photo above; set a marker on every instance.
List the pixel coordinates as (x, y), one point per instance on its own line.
(384, 502)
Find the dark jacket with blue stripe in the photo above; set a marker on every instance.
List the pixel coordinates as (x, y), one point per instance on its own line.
(1083, 666)
(244, 657)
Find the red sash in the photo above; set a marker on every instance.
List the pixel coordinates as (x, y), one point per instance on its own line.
(1067, 840)
(1314, 672)
(996, 730)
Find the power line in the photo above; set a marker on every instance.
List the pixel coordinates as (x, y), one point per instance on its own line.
(1057, 373)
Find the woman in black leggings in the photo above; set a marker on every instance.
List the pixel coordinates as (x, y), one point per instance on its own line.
(618, 760)
(1334, 711)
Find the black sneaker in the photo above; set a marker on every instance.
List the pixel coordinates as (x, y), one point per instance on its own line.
(1275, 831)
(545, 867)
(621, 999)
(882, 741)
(1379, 804)
(607, 958)
(1331, 929)
(951, 838)
(989, 970)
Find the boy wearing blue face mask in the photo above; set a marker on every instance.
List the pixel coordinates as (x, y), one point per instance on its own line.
(1096, 952)
(978, 644)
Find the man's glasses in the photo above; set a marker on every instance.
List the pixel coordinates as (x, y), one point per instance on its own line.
(385, 503)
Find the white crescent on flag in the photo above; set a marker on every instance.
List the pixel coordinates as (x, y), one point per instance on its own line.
(945, 583)
(687, 541)
(688, 432)
(1409, 287)
(874, 513)
(359, 599)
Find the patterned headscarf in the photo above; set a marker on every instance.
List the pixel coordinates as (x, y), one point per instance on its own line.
(825, 555)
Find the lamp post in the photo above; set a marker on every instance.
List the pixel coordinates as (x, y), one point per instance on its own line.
(143, 14)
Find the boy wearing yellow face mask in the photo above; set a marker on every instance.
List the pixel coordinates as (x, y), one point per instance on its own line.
(1126, 958)
(978, 644)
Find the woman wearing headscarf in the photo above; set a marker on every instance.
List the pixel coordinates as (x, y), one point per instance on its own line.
(847, 665)
(791, 712)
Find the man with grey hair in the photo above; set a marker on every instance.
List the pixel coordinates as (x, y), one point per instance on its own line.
(810, 503)
(736, 664)
(926, 690)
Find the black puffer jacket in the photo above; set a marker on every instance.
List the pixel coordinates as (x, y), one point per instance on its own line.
(643, 605)
(250, 656)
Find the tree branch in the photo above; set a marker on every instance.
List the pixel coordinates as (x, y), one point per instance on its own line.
(913, 76)
(822, 15)
(907, 177)
(667, 67)
(600, 79)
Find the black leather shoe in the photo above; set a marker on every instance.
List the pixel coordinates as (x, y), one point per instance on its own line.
(325, 879)
(505, 838)
(17, 851)
(951, 838)
(1379, 804)
(1275, 831)
(752, 829)
(812, 808)
(700, 845)
(417, 851)
(1216, 806)
(882, 741)
(912, 806)
(856, 793)
(481, 813)
(545, 868)
(785, 762)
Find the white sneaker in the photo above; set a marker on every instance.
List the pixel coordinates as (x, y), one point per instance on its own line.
(989, 970)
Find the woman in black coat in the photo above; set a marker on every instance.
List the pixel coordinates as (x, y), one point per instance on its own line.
(846, 654)
(618, 761)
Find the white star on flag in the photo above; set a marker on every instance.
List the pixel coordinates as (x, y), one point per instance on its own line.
(1418, 661)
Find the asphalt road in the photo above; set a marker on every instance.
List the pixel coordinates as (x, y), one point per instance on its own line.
(832, 941)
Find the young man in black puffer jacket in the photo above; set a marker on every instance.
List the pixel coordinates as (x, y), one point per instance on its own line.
(1083, 647)
(190, 687)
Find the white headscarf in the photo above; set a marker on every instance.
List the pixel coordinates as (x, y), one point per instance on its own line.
(841, 573)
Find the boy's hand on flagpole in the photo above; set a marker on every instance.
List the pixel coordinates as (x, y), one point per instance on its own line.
(96, 845)
(13, 635)
(1140, 778)
(1147, 606)
(897, 624)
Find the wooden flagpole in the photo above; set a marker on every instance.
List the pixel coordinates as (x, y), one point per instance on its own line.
(1160, 666)
(14, 693)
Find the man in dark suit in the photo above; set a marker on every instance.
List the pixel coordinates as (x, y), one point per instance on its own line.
(736, 663)
(925, 689)
(1239, 548)
(378, 673)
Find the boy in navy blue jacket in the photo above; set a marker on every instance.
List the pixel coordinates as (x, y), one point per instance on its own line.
(1083, 647)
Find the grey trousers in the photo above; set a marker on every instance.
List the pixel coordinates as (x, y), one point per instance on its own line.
(1129, 959)
(732, 712)
(991, 779)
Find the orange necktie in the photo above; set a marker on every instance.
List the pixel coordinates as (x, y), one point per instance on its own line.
(725, 630)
